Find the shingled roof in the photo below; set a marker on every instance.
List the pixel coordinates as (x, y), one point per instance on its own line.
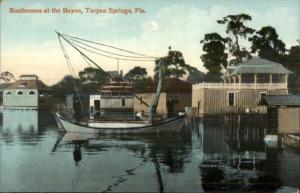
(168, 85)
(28, 84)
(258, 65)
(284, 100)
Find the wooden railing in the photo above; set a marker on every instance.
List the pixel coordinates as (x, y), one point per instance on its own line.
(269, 86)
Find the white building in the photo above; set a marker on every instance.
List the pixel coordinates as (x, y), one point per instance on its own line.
(117, 95)
(24, 93)
(115, 98)
(95, 104)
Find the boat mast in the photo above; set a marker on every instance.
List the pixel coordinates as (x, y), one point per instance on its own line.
(141, 57)
(156, 97)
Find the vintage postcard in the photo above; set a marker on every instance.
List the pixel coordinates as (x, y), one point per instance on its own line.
(150, 96)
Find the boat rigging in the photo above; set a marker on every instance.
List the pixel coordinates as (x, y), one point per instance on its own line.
(169, 125)
(77, 44)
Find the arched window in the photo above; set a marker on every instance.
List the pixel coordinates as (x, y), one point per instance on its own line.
(31, 92)
(19, 92)
(8, 93)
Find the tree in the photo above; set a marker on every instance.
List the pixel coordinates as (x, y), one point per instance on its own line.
(93, 78)
(267, 44)
(94, 75)
(136, 74)
(66, 85)
(292, 62)
(7, 76)
(236, 28)
(143, 83)
(195, 76)
(215, 57)
(173, 65)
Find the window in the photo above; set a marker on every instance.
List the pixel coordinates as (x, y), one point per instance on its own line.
(231, 99)
(19, 92)
(123, 102)
(8, 93)
(262, 94)
(31, 92)
(123, 93)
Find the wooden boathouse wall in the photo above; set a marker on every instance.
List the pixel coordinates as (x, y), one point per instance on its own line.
(175, 95)
(289, 120)
(147, 98)
(181, 100)
(242, 88)
(216, 100)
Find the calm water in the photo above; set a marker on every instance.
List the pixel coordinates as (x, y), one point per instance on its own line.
(214, 154)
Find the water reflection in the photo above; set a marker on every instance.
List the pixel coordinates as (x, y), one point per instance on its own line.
(164, 154)
(25, 126)
(169, 150)
(237, 158)
(211, 154)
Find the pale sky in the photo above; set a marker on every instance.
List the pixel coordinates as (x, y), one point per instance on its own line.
(29, 44)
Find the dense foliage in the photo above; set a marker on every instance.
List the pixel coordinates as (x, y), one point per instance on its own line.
(235, 26)
(215, 57)
(173, 65)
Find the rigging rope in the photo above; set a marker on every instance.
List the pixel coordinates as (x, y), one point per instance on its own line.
(82, 53)
(106, 51)
(86, 61)
(120, 49)
(86, 58)
(112, 57)
(70, 69)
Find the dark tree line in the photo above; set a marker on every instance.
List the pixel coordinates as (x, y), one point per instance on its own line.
(264, 42)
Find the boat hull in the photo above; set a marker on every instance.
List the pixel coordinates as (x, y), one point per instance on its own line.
(168, 126)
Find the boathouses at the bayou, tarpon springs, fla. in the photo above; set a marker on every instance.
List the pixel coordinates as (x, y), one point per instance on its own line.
(242, 88)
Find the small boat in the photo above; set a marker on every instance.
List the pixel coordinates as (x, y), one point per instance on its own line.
(172, 125)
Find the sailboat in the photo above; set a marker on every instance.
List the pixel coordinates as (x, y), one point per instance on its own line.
(169, 125)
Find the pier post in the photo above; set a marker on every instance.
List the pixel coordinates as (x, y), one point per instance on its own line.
(255, 80)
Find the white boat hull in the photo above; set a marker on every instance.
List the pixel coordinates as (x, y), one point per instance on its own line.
(167, 126)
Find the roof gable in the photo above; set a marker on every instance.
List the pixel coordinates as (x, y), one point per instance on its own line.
(28, 84)
(258, 65)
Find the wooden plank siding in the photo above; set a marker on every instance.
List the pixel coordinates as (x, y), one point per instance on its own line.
(182, 100)
(147, 98)
(289, 120)
(198, 100)
(215, 100)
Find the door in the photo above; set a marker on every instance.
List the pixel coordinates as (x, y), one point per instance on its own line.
(97, 106)
(170, 107)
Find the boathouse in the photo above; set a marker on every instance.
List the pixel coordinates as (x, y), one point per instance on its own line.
(242, 88)
(116, 96)
(287, 111)
(175, 95)
(78, 101)
(25, 93)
